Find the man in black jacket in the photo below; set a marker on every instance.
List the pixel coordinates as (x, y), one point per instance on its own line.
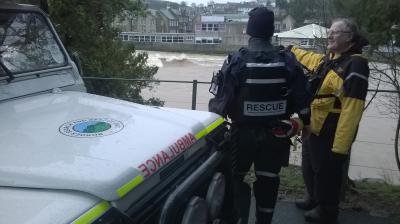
(259, 88)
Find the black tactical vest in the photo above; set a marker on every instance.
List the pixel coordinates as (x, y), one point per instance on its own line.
(263, 96)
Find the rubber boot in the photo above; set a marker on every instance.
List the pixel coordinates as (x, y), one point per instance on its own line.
(322, 215)
(306, 203)
(242, 198)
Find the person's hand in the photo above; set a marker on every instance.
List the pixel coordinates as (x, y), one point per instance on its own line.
(305, 133)
(338, 157)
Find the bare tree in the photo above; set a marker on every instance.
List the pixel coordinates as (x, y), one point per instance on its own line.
(386, 70)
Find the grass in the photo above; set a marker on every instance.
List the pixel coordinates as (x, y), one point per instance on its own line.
(292, 184)
(377, 199)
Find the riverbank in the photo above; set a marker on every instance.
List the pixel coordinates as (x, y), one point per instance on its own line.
(212, 49)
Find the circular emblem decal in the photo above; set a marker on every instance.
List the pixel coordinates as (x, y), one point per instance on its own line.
(92, 127)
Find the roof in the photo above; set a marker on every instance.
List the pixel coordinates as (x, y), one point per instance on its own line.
(175, 11)
(236, 17)
(307, 32)
(167, 13)
(153, 11)
(214, 18)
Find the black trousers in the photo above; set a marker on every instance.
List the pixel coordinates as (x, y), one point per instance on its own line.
(269, 154)
(323, 171)
(307, 171)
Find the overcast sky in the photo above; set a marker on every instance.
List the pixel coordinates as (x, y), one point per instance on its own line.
(205, 1)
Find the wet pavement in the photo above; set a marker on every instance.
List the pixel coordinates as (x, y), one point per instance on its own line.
(287, 213)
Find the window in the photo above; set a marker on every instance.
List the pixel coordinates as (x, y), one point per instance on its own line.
(304, 43)
(216, 27)
(203, 26)
(221, 27)
(277, 27)
(198, 27)
(27, 43)
(216, 40)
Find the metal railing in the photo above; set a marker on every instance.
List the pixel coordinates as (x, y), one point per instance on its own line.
(194, 85)
(193, 82)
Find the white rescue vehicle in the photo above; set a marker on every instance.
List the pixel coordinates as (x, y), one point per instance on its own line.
(67, 156)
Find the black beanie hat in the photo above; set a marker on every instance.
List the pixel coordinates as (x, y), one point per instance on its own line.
(261, 23)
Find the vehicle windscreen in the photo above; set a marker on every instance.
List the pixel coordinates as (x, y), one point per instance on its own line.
(27, 44)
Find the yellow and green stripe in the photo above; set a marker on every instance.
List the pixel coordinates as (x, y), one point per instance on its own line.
(122, 191)
(93, 213)
(209, 128)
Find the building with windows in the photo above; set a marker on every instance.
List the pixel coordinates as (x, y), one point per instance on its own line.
(235, 34)
(176, 20)
(169, 21)
(284, 23)
(208, 29)
(185, 21)
(157, 37)
(147, 23)
(166, 20)
(309, 36)
(169, 25)
(246, 7)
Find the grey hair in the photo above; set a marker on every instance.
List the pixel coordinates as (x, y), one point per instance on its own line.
(350, 24)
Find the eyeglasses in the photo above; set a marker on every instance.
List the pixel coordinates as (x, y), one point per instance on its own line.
(336, 32)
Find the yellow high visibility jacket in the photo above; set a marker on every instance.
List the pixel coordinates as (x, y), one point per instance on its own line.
(346, 85)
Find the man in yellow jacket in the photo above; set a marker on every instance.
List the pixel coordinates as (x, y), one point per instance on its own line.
(339, 88)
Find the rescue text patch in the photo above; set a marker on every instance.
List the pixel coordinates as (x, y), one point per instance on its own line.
(264, 108)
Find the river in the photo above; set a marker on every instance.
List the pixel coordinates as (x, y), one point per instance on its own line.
(372, 153)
